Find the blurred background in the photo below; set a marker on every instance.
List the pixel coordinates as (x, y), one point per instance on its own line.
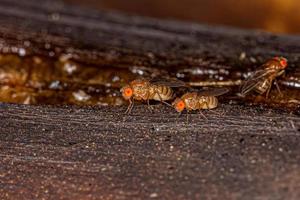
(280, 16)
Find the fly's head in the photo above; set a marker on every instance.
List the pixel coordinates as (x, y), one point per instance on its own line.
(282, 62)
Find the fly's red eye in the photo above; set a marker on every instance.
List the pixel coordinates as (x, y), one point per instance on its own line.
(180, 105)
(127, 92)
(283, 63)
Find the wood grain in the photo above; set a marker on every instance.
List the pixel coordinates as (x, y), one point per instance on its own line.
(100, 153)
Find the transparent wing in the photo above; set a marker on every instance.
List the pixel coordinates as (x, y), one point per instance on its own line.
(170, 82)
(255, 79)
(213, 92)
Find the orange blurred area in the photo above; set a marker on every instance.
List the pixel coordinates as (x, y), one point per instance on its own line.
(281, 16)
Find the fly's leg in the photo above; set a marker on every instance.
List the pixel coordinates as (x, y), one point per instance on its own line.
(223, 113)
(202, 115)
(129, 108)
(177, 117)
(268, 91)
(187, 117)
(210, 110)
(150, 108)
(214, 112)
(278, 88)
(217, 113)
(160, 99)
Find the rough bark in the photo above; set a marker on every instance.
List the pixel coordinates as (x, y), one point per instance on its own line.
(100, 153)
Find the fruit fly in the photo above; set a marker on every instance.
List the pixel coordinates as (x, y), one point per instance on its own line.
(262, 79)
(146, 90)
(206, 99)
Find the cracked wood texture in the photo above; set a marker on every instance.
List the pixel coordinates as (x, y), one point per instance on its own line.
(51, 152)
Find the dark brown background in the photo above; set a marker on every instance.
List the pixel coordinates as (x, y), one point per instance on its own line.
(272, 15)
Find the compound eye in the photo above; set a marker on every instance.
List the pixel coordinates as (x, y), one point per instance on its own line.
(180, 105)
(283, 62)
(128, 92)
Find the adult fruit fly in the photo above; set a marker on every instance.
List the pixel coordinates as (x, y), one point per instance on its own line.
(262, 79)
(146, 90)
(206, 99)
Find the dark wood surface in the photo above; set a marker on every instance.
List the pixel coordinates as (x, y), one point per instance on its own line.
(100, 153)
(121, 40)
(239, 152)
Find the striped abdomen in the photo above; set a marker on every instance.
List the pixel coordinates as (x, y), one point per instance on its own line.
(161, 93)
(207, 102)
(263, 86)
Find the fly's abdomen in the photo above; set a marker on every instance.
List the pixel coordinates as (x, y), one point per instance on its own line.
(209, 102)
(162, 93)
(263, 86)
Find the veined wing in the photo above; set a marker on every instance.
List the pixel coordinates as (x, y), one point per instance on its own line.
(170, 82)
(213, 92)
(255, 79)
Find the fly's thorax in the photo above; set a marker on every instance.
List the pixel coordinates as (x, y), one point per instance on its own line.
(190, 100)
(140, 89)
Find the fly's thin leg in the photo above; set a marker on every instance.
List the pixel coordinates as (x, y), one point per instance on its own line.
(166, 103)
(222, 113)
(202, 115)
(187, 117)
(268, 91)
(217, 113)
(160, 99)
(131, 106)
(278, 88)
(214, 112)
(177, 117)
(149, 106)
(148, 103)
(210, 110)
(129, 109)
